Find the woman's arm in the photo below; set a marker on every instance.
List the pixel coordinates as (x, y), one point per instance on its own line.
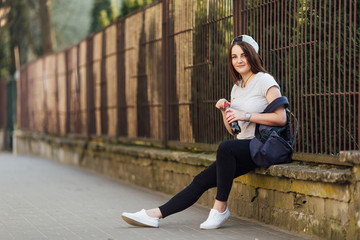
(220, 105)
(277, 118)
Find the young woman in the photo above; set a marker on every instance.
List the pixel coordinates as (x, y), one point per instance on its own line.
(253, 90)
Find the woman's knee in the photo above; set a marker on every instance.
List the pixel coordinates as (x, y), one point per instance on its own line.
(224, 149)
(205, 180)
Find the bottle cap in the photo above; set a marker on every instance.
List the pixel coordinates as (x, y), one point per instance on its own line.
(226, 104)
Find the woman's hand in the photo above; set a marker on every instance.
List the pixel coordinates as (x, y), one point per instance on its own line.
(233, 115)
(220, 104)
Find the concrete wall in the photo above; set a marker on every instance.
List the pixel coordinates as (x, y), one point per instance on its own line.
(321, 200)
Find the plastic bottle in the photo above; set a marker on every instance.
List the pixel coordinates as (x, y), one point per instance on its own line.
(235, 128)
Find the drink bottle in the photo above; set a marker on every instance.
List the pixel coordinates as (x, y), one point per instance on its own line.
(235, 128)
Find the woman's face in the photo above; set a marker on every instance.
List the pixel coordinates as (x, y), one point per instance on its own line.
(239, 60)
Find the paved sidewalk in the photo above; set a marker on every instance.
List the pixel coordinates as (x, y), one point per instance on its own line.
(43, 199)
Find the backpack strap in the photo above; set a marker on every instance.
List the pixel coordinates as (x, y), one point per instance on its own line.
(295, 129)
(278, 102)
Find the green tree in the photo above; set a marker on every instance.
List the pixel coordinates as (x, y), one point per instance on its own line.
(102, 14)
(28, 26)
(103, 20)
(47, 30)
(4, 53)
(128, 6)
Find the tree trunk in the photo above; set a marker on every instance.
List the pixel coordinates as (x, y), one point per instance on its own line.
(47, 31)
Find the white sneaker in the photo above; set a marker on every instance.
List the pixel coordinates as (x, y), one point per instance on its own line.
(140, 219)
(215, 219)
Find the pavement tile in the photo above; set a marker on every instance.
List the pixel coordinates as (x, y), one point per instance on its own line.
(44, 199)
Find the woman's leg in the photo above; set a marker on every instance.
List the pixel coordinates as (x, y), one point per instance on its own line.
(233, 159)
(184, 199)
(187, 197)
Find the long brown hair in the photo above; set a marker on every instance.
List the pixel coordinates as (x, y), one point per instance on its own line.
(252, 57)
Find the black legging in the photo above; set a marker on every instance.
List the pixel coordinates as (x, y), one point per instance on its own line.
(232, 160)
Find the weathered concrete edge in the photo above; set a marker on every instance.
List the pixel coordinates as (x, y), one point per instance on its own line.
(293, 170)
(350, 157)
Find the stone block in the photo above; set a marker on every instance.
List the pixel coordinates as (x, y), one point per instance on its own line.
(337, 210)
(315, 206)
(356, 173)
(350, 157)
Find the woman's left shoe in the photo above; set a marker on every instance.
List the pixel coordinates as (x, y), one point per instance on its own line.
(215, 219)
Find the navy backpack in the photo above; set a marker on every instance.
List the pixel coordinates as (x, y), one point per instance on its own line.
(274, 145)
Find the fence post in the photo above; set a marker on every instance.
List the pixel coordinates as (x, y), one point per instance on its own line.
(45, 122)
(3, 111)
(90, 102)
(57, 109)
(166, 67)
(67, 93)
(239, 16)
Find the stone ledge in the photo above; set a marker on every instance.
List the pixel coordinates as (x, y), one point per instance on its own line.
(321, 173)
(294, 170)
(350, 157)
(309, 173)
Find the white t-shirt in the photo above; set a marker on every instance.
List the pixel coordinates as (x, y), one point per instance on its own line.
(251, 98)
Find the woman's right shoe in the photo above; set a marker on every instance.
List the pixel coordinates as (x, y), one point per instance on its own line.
(140, 219)
(215, 219)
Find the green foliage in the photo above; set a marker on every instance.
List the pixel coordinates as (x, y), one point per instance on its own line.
(128, 6)
(113, 12)
(4, 54)
(103, 20)
(102, 14)
(4, 50)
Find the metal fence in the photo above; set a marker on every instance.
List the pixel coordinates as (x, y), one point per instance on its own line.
(7, 111)
(3, 103)
(312, 48)
(199, 36)
(156, 74)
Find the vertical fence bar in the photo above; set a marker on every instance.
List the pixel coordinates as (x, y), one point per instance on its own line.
(68, 93)
(3, 103)
(305, 75)
(329, 132)
(90, 102)
(346, 87)
(320, 78)
(103, 88)
(166, 67)
(78, 91)
(18, 98)
(356, 99)
(3, 109)
(57, 114)
(336, 117)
